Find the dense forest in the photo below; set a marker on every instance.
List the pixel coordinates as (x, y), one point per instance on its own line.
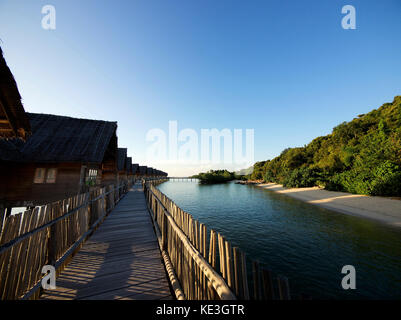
(361, 156)
(215, 176)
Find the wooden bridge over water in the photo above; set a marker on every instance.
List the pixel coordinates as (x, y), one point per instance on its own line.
(125, 243)
(182, 179)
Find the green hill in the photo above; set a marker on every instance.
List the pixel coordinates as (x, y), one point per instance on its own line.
(361, 156)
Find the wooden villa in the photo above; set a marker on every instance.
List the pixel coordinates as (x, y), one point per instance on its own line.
(149, 172)
(14, 123)
(122, 165)
(142, 171)
(160, 173)
(128, 165)
(135, 170)
(109, 164)
(146, 172)
(45, 158)
(63, 156)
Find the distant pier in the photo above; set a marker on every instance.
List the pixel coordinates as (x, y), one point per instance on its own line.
(182, 178)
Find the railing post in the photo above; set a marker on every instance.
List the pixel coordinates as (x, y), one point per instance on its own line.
(155, 210)
(256, 281)
(164, 232)
(51, 240)
(92, 207)
(283, 288)
(2, 219)
(244, 276)
(267, 281)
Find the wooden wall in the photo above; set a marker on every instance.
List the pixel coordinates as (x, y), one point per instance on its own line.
(122, 177)
(17, 187)
(108, 177)
(109, 173)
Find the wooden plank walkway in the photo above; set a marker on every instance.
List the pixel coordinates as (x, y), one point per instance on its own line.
(121, 260)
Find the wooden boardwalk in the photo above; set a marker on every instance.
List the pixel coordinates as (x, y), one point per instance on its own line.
(121, 260)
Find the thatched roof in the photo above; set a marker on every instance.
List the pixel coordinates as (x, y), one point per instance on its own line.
(149, 171)
(161, 173)
(128, 165)
(61, 139)
(142, 170)
(135, 168)
(13, 121)
(121, 159)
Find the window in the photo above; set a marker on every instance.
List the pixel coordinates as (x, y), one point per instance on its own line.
(43, 175)
(39, 175)
(91, 177)
(92, 174)
(51, 175)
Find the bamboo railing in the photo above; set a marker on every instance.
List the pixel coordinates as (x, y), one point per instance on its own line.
(202, 273)
(48, 235)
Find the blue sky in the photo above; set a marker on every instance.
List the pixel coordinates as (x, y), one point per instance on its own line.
(286, 69)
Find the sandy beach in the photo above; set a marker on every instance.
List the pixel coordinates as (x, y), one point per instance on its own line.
(385, 210)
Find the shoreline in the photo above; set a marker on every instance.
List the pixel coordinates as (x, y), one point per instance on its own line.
(381, 209)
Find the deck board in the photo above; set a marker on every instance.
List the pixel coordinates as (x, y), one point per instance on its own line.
(121, 260)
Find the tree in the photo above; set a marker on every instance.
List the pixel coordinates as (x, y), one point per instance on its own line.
(361, 156)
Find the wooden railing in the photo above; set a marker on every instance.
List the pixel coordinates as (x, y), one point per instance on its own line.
(217, 272)
(48, 235)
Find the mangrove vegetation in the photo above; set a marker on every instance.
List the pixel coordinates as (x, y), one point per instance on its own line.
(215, 176)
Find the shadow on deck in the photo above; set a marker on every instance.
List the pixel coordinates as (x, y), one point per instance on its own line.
(121, 260)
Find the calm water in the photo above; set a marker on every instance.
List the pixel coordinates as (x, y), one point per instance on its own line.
(307, 244)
